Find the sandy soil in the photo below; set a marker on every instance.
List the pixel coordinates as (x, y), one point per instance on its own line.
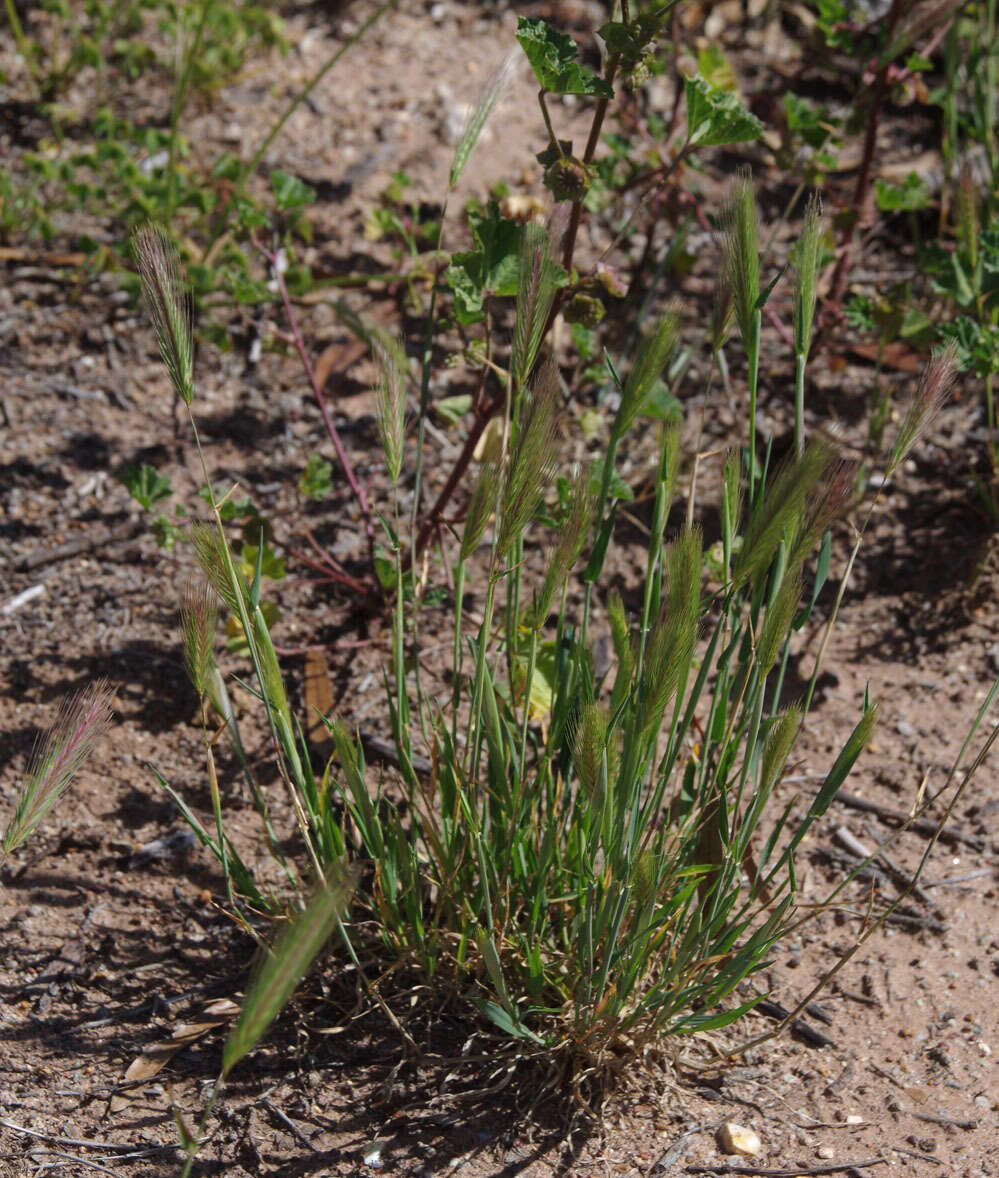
(111, 932)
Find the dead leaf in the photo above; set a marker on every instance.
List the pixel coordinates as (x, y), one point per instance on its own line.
(318, 697)
(337, 358)
(41, 257)
(155, 1057)
(489, 447)
(522, 208)
(895, 356)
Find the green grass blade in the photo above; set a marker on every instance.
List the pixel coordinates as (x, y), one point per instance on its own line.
(293, 954)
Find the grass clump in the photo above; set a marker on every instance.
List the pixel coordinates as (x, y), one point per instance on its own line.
(575, 862)
(592, 859)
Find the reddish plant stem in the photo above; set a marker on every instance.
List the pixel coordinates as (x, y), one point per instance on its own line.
(569, 246)
(432, 521)
(330, 573)
(345, 463)
(861, 190)
(779, 326)
(484, 410)
(332, 567)
(674, 116)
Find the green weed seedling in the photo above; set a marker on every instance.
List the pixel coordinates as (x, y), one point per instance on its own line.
(109, 37)
(116, 174)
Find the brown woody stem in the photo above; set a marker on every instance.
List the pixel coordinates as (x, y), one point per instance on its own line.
(861, 190)
(569, 248)
(482, 418)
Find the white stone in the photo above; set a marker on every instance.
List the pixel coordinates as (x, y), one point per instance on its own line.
(733, 1138)
(825, 1152)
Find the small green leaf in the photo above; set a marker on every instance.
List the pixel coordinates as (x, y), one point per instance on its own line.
(295, 950)
(617, 36)
(715, 68)
(231, 508)
(585, 341)
(500, 1018)
(661, 405)
(813, 123)
(316, 481)
(953, 274)
(977, 344)
(290, 192)
(716, 117)
(617, 488)
(165, 532)
(860, 314)
(453, 409)
(855, 745)
(490, 269)
(145, 485)
(764, 296)
(911, 195)
(271, 565)
(385, 567)
(385, 571)
(693, 1023)
(917, 327)
(553, 58)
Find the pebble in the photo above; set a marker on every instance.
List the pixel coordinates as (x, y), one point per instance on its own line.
(454, 115)
(825, 1153)
(733, 1138)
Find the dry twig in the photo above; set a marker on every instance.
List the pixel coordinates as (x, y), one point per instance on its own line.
(790, 1172)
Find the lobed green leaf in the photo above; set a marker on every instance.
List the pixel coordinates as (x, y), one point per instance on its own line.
(552, 56)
